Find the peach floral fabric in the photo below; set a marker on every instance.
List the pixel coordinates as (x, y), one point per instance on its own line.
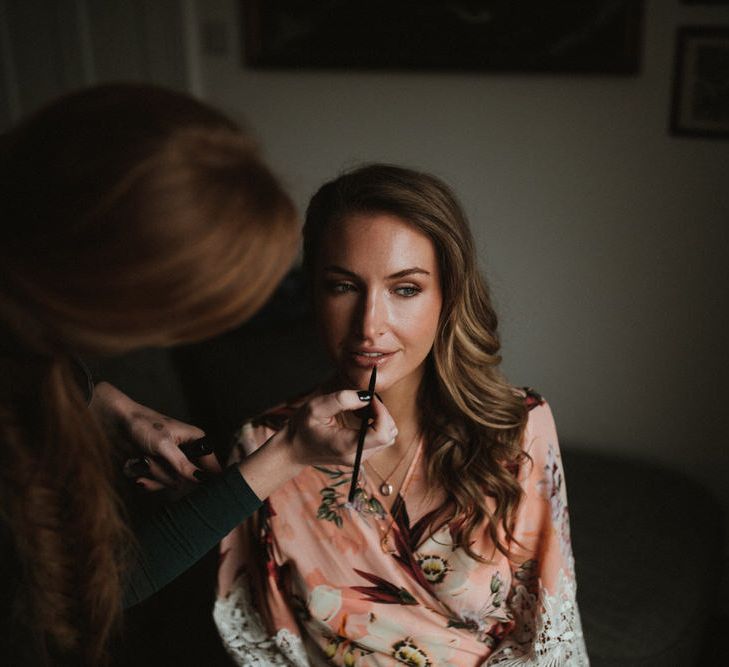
(358, 585)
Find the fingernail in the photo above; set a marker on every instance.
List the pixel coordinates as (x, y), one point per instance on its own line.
(364, 396)
(202, 475)
(200, 447)
(379, 398)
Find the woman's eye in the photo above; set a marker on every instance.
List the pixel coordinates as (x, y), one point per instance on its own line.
(340, 287)
(407, 290)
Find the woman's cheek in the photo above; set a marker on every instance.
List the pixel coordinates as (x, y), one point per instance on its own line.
(332, 320)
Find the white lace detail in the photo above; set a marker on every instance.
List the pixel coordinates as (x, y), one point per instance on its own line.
(548, 632)
(244, 634)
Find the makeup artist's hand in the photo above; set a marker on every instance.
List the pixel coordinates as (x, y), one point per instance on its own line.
(323, 431)
(317, 435)
(151, 440)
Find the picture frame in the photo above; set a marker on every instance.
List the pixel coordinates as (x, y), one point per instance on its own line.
(590, 37)
(700, 100)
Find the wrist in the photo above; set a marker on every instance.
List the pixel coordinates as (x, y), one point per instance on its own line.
(271, 465)
(108, 402)
(285, 452)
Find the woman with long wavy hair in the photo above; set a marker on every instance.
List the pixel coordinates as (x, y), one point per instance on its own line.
(132, 216)
(455, 549)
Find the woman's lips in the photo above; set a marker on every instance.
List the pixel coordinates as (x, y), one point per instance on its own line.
(368, 359)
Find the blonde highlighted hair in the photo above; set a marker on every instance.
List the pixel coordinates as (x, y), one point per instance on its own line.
(472, 418)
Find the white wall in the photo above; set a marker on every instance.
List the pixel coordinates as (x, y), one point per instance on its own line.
(605, 239)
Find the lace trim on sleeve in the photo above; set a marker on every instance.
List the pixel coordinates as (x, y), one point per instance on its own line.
(244, 635)
(548, 632)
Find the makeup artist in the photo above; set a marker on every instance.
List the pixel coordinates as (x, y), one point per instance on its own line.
(130, 217)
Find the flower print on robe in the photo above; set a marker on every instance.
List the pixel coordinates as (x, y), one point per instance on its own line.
(358, 585)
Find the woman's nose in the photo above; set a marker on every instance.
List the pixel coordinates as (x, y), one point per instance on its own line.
(372, 318)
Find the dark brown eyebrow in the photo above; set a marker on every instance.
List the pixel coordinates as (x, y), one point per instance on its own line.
(400, 274)
(409, 272)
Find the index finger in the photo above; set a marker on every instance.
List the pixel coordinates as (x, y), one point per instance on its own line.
(168, 450)
(328, 406)
(202, 453)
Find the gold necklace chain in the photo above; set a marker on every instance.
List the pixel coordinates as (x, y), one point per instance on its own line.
(386, 488)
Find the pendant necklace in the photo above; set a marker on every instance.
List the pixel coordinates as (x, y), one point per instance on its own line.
(386, 488)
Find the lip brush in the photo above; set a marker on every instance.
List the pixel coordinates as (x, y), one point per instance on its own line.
(362, 433)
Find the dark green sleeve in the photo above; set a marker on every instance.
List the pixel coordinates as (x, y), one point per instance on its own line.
(174, 537)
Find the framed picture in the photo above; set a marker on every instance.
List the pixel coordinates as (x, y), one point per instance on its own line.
(700, 104)
(584, 36)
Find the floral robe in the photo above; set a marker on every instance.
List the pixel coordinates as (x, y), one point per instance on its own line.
(358, 585)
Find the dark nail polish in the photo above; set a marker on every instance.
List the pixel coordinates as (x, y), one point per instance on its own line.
(197, 448)
(202, 475)
(364, 396)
